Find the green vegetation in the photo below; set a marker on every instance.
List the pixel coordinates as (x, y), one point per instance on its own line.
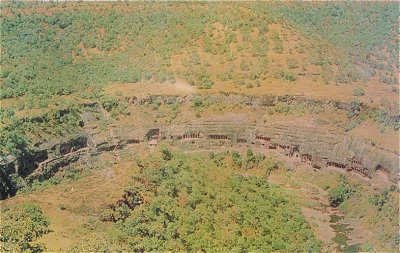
(341, 193)
(379, 209)
(290, 76)
(381, 198)
(250, 161)
(253, 160)
(386, 120)
(48, 59)
(72, 174)
(205, 82)
(368, 29)
(57, 60)
(166, 154)
(46, 55)
(109, 103)
(192, 203)
(237, 159)
(360, 205)
(278, 44)
(20, 226)
(16, 135)
(358, 92)
(272, 163)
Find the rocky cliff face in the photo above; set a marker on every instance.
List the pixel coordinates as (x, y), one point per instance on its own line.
(317, 145)
(327, 147)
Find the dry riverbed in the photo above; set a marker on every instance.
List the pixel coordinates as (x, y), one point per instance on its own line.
(336, 231)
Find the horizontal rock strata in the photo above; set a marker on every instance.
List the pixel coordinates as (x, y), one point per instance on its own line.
(316, 145)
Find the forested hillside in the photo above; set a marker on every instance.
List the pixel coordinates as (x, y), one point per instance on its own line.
(199, 126)
(167, 208)
(60, 49)
(174, 201)
(58, 56)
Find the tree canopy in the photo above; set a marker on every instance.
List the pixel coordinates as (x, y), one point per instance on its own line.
(20, 226)
(189, 203)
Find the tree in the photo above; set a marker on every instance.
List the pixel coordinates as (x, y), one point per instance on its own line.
(166, 154)
(14, 141)
(20, 226)
(197, 203)
(341, 193)
(250, 159)
(380, 199)
(237, 159)
(109, 103)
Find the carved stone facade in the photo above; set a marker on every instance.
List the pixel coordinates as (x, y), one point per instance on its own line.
(307, 144)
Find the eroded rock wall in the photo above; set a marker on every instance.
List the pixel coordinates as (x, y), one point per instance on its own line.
(317, 145)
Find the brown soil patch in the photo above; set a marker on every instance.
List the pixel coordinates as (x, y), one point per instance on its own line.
(81, 199)
(143, 89)
(387, 140)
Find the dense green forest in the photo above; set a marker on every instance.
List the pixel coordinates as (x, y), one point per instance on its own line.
(189, 203)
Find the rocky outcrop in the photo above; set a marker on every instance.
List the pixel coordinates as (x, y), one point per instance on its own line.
(39, 162)
(317, 145)
(49, 167)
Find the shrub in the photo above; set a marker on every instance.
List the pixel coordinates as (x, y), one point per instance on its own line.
(237, 159)
(290, 76)
(250, 158)
(278, 44)
(244, 66)
(355, 109)
(14, 142)
(380, 199)
(358, 92)
(205, 82)
(273, 164)
(61, 207)
(218, 159)
(197, 102)
(341, 193)
(292, 64)
(350, 126)
(226, 76)
(283, 108)
(109, 103)
(253, 160)
(166, 154)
